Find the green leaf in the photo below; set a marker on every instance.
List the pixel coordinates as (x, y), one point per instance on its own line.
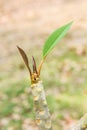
(54, 38)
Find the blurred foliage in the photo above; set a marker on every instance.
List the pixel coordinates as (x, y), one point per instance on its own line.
(64, 73)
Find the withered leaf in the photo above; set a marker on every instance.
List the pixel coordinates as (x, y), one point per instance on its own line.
(25, 58)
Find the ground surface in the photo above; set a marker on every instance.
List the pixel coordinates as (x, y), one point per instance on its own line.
(28, 24)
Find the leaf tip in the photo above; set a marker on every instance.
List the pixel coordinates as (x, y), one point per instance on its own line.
(18, 47)
(70, 23)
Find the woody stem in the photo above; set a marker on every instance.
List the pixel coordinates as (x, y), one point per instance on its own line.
(43, 119)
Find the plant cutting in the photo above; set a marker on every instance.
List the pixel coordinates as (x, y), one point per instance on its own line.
(43, 118)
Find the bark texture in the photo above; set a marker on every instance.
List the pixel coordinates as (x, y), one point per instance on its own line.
(43, 119)
(82, 124)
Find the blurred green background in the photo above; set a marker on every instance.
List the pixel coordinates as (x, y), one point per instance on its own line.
(28, 23)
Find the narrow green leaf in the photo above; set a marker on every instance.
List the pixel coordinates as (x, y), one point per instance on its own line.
(54, 38)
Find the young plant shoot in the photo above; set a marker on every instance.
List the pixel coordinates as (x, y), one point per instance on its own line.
(43, 119)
